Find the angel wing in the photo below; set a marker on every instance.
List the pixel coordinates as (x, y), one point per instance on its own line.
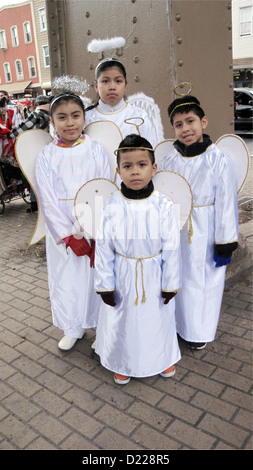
(178, 190)
(27, 147)
(108, 134)
(152, 109)
(89, 202)
(237, 150)
(164, 148)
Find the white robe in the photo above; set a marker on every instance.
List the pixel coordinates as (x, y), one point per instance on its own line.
(138, 340)
(214, 220)
(60, 172)
(127, 117)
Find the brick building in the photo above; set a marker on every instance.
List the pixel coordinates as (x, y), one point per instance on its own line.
(24, 54)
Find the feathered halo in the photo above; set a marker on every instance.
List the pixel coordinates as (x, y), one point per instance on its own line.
(102, 45)
(70, 84)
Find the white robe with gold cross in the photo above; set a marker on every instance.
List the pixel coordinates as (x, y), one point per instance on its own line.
(138, 256)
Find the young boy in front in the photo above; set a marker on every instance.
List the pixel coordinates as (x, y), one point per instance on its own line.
(137, 264)
(208, 240)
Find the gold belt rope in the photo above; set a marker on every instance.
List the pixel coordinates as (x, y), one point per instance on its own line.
(190, 231)
(143, 300)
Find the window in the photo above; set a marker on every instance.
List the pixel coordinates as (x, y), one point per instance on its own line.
(3, 43)
(246, 21)
(14, 36)
(19, 70)
(27, 32)
(7, 72)
(46, 56)
(31, 67)
(42, 16)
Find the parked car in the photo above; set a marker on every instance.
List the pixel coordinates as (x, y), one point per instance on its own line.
(243, 109)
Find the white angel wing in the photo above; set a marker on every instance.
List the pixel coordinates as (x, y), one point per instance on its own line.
(89, 202)
(152, 109)
(237, 150)
(178, 190)
(164, 148)
(108, 134)
(27, 147)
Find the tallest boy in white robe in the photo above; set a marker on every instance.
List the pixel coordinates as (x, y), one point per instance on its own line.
(211, 235)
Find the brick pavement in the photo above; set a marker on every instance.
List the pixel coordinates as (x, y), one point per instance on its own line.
(55, 400)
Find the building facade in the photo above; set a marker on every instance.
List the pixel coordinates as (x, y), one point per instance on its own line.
(242, 20)
(24, 55)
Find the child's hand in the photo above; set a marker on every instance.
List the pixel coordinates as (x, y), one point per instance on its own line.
(221, 261)
(168, 296)
(79, 246)
(108, 299)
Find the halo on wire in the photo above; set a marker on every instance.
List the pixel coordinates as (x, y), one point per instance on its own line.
(182, 85)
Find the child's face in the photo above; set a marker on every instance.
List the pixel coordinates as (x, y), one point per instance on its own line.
(68, 121)
(188, 128)
(111, 86)
(136, 169)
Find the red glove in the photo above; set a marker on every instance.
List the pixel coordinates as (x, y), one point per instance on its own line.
(80, 246)
(168, 296)
(108, 299)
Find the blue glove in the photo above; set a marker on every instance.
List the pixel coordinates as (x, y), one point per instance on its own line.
(221, 261)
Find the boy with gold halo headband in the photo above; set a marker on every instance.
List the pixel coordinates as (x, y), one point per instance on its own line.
(137, 271)
(214, 237)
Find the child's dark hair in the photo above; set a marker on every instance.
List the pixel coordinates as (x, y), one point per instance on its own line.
(185, 105)
(64, 98)
(135, 142)
(107, 64)
(104, 65)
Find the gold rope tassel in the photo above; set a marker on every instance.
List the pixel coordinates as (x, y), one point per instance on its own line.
(143, 300)
(190, 231)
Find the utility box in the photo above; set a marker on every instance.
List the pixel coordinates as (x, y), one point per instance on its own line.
(167, 42)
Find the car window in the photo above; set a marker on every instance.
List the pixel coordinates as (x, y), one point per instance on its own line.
(242, 98)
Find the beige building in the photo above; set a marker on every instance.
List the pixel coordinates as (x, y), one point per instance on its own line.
(242, 20)
(42, 48)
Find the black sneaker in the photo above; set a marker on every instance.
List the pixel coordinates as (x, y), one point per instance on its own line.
(196, 345)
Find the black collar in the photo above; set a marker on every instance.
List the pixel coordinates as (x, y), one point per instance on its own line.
(195, 149)
(140, 194)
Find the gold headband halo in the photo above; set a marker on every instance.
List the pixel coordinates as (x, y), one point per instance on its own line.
(133, 148)
(181, 85)
(184, 104)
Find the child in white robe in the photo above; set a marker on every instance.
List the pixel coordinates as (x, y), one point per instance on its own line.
(211, 235)
(137, 266)
(111, 84)
(62, 167)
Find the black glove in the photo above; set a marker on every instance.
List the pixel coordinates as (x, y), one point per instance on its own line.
(108, 298)
(225, 250)
(223, 253)
(168, 296)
